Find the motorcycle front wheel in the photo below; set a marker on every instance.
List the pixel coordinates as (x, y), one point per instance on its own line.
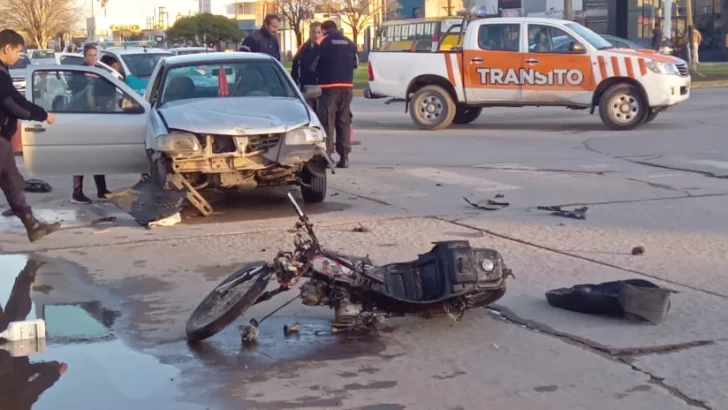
(228, 301)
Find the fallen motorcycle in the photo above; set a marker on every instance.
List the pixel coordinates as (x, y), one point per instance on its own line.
(448, 280)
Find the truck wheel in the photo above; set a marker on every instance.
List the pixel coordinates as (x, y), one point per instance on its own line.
(466, 115)
(651, 115)
(622, 107)
(432, 108)
(315, 192)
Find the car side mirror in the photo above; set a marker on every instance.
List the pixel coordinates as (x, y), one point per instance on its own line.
(311, 91)
(577, 48)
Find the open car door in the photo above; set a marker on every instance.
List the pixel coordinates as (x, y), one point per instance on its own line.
(100, 128)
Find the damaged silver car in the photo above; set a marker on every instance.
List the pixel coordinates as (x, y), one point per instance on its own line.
(214, 120)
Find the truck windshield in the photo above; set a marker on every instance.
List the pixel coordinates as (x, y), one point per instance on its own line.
(590, 37)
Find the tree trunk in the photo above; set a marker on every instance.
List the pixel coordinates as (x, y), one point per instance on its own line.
(355, 36)
(299, 37)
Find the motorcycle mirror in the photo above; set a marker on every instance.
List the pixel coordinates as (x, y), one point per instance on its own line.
(295, 206)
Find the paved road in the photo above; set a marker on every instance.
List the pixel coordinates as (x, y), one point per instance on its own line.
(130, 290)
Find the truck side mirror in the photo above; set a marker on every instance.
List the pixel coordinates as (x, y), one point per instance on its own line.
(577, 48)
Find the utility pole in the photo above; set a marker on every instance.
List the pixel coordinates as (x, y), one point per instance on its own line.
(568, 10)
(691, 52)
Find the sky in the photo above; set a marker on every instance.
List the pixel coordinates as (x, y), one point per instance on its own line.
(129, 12)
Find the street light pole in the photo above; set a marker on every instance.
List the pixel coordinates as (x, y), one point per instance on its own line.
(568, 10)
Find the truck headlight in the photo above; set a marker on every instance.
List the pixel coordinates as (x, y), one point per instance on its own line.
(662, 68)
(487, 265)
(177, 142)
(305, 136)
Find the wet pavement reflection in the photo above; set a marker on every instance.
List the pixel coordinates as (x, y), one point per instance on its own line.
(80, 364)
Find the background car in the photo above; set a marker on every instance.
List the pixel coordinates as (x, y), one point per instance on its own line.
(77, 59)
(42, 56)
(183, 51)
(639, 44)
(19, 71)
(137, 63)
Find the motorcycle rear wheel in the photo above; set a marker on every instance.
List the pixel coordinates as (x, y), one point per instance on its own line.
(222, 306)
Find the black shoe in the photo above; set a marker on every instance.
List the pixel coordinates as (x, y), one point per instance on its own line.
(102, 195)
(343, 163)
(8, 212)
(37, 229)
(80, 198)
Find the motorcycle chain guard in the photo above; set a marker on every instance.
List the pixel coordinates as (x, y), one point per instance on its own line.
(450, 269)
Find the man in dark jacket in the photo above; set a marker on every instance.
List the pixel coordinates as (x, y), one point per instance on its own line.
(335, 62)
(265, 40)
(657, 38)
(90, 58)
(303, 60)
(14, 107)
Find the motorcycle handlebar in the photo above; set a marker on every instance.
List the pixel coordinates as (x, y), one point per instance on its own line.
(298, 209)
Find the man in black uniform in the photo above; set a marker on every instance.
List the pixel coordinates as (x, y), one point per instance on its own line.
(301, 69)
(335, 62)
(13, 106)
(265, 40)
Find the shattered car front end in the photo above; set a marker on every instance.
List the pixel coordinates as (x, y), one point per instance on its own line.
(239, 143)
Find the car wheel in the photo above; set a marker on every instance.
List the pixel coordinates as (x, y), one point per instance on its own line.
(466, 115)
(622, 107)
(432, 108)
(315, 189)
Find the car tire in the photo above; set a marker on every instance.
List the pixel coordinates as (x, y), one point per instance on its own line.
(623, 107)
(315, 192)
(466, 115)
(432, 108)
(651, 115)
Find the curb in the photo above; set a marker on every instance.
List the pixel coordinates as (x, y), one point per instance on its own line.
(710, 84)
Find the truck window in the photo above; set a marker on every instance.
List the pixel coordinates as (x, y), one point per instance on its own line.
(499, 37)
(548, 39)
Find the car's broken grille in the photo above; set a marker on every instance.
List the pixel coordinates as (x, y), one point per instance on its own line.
(262, 142)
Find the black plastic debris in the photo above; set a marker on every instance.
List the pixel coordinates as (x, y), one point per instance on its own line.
(147, 202)
(638, 250)
(37, 186)
(361, 228)
(488, 204)
(8, 212)
(637, 299)
(576, 213)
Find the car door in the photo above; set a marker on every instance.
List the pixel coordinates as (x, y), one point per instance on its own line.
(100, 127)
(491, 62)
(556, 72)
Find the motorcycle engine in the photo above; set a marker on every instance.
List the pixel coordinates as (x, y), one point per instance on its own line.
(314, 293)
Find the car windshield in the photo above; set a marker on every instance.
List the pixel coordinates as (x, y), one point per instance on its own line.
(589, 36)
(249, 78)
(23, 62)
(43, 54)
(143, 64)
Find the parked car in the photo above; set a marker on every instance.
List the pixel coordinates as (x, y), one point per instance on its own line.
(639, 44)
(19, 71)
(42, 56)
(183, 51)
(77, 59)
(137, 63)
(191, 123)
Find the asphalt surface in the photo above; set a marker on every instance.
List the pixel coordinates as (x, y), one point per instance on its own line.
(115, 297)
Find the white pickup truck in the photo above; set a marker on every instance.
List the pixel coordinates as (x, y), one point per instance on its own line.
(522, 61)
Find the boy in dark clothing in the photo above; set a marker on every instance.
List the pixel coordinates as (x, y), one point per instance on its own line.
(265, 40)
(14, 107)
(90, 57)
(301, 69)
(335, 62)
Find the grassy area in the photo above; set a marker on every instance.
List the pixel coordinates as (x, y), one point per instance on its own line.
(711, 72)
(361, 77)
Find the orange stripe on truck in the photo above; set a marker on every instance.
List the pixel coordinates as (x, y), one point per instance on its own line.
(643, 67)
(615, 67)
(630, 70)
(603, 67)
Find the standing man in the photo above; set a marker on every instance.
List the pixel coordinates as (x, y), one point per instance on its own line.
(335, 62)
(265, 40)
(695, 46)
(14, 107)
(301, 71)
(657, 38)
(90, 58)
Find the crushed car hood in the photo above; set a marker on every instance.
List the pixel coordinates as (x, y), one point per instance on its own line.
(236, 116)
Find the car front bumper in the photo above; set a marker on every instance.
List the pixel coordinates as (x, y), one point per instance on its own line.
(675, 90)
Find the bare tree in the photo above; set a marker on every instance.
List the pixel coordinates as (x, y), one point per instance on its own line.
(296, 13)
(360, 14)
(39, 20)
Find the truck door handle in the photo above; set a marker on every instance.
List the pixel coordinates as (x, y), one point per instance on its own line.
(531, 61)
(476, 60)
(34, 129)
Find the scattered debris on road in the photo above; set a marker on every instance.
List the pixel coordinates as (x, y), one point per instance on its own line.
(637, 299)
(488, 204)
(360, 228)
(37, 186)
(8, 213)
(638, 250)
(168, 221)
(290, 329)
(249, 333)
(148, 203)
(576, 213)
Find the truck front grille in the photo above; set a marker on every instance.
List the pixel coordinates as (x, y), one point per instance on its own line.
(682, 68)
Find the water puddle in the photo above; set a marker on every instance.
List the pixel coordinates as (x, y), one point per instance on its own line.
(81, 364)
(72, 216)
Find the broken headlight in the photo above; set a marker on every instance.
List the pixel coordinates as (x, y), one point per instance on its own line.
(177, 142)
(305, 136)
